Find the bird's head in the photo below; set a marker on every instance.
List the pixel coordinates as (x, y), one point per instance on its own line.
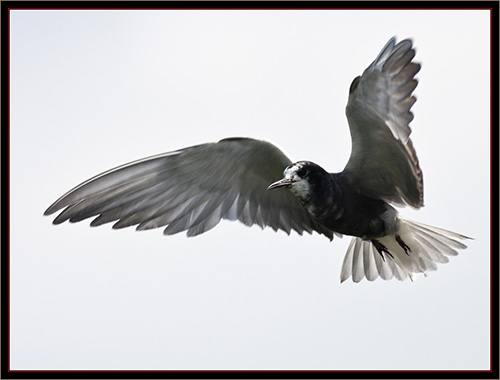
(299, 178)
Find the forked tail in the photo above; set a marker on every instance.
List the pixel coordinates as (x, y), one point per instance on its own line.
(415, 249)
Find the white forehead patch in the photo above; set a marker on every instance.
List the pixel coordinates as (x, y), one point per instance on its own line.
(293, 169)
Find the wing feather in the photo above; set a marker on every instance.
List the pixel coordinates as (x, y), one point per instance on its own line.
(191, 190)
(383, 163)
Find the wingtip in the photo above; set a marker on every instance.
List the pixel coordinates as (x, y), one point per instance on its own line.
(50, 210)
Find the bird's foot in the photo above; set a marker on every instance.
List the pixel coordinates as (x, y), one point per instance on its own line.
(381, 249)
(403, 244)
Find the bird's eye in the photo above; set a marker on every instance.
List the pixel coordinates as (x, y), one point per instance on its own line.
(303, 172)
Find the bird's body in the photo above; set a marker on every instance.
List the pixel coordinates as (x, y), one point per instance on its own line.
(337, 205)
(378, 216)
(192, 189)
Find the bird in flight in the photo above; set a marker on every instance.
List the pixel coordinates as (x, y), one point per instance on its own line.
(192, 189)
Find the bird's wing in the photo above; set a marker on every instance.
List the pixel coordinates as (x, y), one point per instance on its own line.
(383, 163)
(191, 190)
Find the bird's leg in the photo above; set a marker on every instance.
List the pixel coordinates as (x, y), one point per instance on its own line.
(403, 244)
(381, 249)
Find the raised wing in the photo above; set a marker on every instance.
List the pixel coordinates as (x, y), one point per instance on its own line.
(383, 163)
(192, 189)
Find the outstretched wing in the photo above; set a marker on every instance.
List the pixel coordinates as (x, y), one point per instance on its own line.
(383, 163)
(192, 189)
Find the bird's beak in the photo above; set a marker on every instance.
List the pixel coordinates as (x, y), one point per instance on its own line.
(280, 183)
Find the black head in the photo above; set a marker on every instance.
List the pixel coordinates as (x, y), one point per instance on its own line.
(300, 177)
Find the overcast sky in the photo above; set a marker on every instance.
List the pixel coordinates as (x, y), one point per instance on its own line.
(91, 90)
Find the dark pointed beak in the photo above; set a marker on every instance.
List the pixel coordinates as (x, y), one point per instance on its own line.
(280, 183)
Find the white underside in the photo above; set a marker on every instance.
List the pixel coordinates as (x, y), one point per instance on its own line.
(429, 246)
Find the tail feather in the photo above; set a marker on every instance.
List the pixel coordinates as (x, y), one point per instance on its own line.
(384, 269)
(426, 246)
(357, 262)
(370, 266)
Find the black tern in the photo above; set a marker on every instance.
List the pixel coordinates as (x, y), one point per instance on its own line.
(192, 189)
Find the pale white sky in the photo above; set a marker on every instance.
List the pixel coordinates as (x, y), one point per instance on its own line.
(91, 90)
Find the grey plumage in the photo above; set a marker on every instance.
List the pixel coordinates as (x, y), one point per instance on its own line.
(191, 190)
(383, 162)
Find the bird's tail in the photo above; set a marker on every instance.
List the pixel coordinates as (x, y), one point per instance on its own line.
(414, 249)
